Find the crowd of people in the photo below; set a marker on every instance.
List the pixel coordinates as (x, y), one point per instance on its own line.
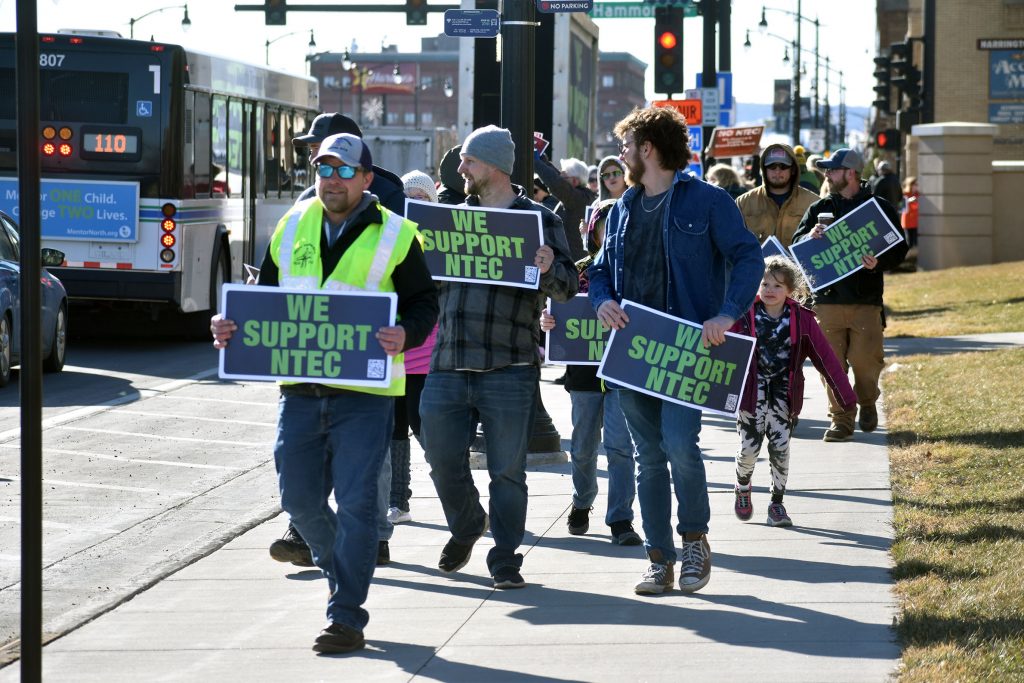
(634, 226)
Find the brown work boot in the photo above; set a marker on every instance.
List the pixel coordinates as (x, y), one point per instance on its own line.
(837, 432)
(868, 420)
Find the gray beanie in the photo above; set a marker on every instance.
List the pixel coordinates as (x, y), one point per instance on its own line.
(492, 145)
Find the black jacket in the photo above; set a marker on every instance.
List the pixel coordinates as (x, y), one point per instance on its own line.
(575, 199)
(865, 286)
(417, 295)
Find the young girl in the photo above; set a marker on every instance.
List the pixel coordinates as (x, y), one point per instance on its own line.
(787, 333)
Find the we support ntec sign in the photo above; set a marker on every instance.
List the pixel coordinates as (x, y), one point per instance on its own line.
(301, 336)
(839, 252)
(486, 246)
(664, 356)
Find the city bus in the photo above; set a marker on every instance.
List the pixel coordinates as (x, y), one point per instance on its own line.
(163, 169)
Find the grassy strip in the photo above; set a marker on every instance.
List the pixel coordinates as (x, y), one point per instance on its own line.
(957, 433)
(970, 300)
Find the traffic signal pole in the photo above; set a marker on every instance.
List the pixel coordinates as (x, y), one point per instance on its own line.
(518, 81)
(709, 76)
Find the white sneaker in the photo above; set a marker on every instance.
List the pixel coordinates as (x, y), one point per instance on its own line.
(398, 516)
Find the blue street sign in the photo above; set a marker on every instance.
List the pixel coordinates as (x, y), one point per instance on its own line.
(696, 151)
(472, 23)
(550, 6)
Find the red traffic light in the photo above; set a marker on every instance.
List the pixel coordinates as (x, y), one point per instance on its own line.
(881, 139)
(668, 40)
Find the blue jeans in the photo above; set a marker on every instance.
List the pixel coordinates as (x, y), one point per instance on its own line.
(506, 401)
(667, 433)
(591, 409)
(336, 442)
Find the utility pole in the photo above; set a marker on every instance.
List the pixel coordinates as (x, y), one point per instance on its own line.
(518, 81)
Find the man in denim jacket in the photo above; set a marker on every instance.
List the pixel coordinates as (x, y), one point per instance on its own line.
(678, 245)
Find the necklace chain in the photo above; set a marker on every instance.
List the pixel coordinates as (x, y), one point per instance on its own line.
(656, 206)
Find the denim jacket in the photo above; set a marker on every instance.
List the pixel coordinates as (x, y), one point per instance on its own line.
(713, 263)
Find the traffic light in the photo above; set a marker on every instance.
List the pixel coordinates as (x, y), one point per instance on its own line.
(909, 84)
(887, 139)
(883, 86)
(415, 12)
(275, 12)
(668, 49)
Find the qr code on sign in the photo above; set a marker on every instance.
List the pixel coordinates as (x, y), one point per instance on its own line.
(530, 274)
(891, 237)
(375, 368)
(730, 402)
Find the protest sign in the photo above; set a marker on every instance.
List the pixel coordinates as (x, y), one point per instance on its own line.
(301, 336)
(865, 230)
(475, 244)
(579, 337)
(540, 145)
(773, 247)
(663, 356)
(735, 142)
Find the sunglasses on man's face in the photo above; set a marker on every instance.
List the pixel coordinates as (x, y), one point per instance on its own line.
(344, 172)
(776, 167)
(610, 174)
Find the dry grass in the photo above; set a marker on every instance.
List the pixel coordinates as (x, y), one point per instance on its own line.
(971, 300)
(957, 434)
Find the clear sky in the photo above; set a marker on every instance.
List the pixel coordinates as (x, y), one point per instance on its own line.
(847, 35)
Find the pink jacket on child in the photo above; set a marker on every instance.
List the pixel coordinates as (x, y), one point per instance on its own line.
(806, 341)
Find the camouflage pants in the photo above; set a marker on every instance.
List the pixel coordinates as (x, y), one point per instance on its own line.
(771, 420)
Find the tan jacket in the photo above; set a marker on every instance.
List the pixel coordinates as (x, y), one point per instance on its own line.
(764, 217)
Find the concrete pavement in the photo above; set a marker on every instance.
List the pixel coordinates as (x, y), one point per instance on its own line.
(808, 603)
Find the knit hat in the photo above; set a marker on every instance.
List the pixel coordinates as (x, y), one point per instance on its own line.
(491, 145)
(419, 180)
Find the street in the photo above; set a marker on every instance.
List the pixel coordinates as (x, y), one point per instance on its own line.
(149, 462)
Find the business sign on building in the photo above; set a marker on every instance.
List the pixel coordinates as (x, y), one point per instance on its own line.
(1006, 74)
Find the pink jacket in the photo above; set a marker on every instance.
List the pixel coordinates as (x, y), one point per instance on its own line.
(806, 341)
(417, 360)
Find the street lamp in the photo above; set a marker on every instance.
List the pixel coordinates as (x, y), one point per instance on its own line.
(311, 45)
(185, 21)
(762, 26)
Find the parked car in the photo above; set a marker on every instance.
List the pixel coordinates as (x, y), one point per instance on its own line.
(54, 298)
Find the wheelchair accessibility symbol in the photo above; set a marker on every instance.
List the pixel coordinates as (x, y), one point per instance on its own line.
(144, 108)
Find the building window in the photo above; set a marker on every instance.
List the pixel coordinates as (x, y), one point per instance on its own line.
(608, 81)
(427, 118)
(410, 118)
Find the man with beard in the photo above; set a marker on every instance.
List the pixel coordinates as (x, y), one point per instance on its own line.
(850, 310)
(486, 362)
(776, 207)
(333, 437)
(676, 244)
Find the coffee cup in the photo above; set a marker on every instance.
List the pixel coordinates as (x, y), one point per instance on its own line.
(825, 218)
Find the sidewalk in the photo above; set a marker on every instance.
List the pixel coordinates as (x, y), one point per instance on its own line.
(808, 603)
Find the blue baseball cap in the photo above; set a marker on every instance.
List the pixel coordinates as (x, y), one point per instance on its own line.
(348, 149)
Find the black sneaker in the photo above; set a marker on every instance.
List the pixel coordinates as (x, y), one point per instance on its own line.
(291, 548)
(383, 553)
(623, 534)
(337, 638)
(579, 521)
(456, 555)
(508, 577)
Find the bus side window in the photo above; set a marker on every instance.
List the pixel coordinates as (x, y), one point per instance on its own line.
(201, 141)
(219, 147)
(235, 146)
(272, 168)
(188, 181)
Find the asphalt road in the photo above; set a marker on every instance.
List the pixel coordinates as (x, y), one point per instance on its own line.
(149, 463)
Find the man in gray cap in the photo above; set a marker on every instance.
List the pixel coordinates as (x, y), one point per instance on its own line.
(334, 437)
(850, 311)
(486, 361)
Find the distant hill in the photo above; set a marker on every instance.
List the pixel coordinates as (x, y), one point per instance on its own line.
(754, 113)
